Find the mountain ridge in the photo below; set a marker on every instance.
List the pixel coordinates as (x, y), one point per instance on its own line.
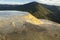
(40, 11)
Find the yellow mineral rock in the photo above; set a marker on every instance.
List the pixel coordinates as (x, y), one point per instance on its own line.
(30, 18)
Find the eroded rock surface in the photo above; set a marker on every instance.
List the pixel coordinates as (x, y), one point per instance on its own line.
(17, 28)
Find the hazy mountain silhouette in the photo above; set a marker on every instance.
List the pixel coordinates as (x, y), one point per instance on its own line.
(42, 11)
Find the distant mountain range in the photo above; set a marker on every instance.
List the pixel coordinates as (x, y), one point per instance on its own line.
(41, 11)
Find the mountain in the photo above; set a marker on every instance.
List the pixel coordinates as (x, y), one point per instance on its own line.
(40, 11)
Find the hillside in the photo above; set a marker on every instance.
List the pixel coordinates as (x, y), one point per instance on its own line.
(32, 26)
(40, 11)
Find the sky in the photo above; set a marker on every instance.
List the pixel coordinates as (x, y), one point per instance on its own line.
(49, 2)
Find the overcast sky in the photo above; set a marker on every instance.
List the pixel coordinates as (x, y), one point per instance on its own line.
(49, 2)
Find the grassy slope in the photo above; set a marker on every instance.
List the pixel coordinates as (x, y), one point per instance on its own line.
(40, 11)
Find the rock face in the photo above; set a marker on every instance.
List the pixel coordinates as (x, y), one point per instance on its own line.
(18, 28)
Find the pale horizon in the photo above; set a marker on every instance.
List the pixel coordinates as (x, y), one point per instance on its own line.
(20, 2)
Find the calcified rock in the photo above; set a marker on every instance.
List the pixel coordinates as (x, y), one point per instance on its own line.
(18, 28)
(28, 27)
(30, 31)
(30, 18)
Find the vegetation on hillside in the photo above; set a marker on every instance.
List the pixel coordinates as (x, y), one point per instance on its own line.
(33, 26)
(40, 11)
